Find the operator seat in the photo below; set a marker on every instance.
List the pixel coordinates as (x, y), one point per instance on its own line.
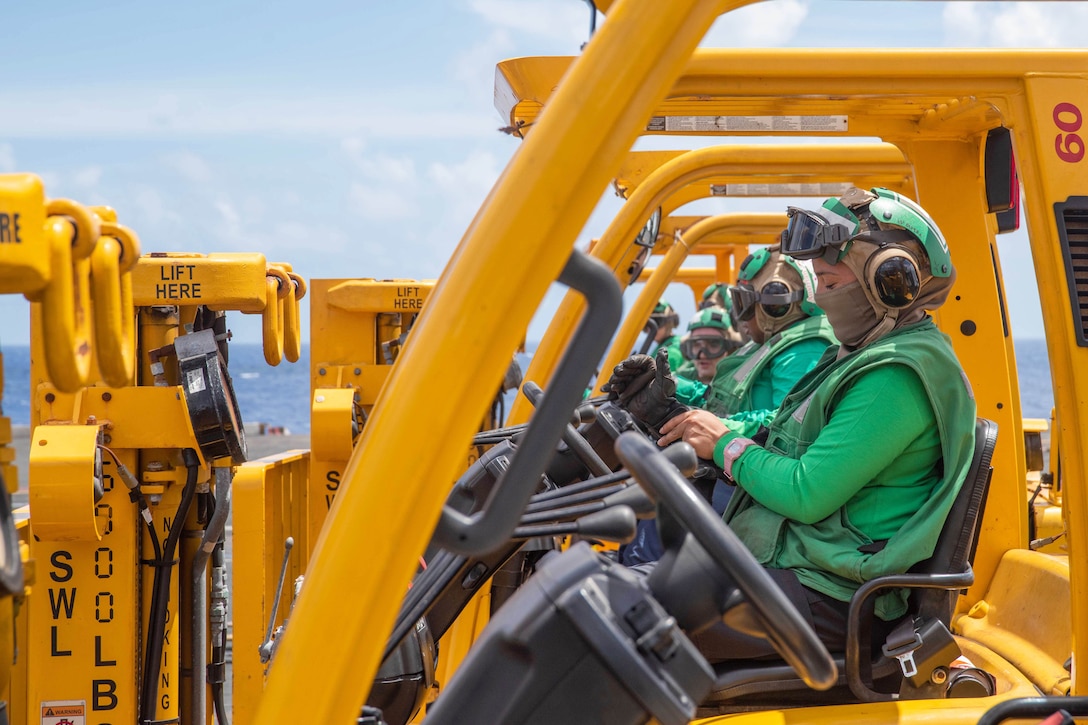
(745, 685)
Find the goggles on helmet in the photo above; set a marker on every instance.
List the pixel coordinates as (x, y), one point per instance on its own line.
(811, 234)
(774, 294)
(706, 348)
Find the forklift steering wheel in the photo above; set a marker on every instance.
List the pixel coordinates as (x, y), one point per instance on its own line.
(785, 627)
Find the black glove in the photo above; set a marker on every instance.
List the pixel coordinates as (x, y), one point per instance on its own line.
(646, 389)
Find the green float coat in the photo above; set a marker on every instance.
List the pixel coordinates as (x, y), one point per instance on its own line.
(868, 448)
(751, 383)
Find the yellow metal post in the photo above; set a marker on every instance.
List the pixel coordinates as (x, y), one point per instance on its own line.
(481, 306)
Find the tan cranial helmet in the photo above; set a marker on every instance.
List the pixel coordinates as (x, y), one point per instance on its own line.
(898, 255)
(780, 277)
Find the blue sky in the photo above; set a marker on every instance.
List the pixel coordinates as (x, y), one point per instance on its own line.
(357, 139)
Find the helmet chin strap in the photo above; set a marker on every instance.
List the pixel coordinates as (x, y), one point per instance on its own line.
(879, 329)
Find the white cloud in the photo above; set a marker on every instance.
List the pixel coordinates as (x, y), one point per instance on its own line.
(88, 176)
(149, 204)
(1016, 24)
(475, 68)
(766, 24)
(7, 158)
(473, 177)
(127, 111)
(567, 21)
(229, 214)
(190, 166)
(387, 169)
(380, 203)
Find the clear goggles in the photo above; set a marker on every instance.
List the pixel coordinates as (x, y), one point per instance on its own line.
(809, 235)
(775, 296)
(707, 348)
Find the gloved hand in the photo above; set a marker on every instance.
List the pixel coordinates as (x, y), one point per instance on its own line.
(646, 389)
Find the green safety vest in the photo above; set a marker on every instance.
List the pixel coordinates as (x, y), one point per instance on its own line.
(825, 555)
(731, 390)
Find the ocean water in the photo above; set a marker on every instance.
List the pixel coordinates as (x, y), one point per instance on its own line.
(280, 396)
(276, 396)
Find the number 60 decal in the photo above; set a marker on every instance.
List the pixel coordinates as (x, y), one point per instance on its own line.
(1069, 146)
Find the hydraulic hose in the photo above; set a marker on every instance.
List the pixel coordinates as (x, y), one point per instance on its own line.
(160, 593)
(212, 541)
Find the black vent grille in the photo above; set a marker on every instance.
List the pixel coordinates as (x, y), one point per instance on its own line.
(1072, 218)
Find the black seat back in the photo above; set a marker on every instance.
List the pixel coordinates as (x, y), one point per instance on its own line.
(956, 545)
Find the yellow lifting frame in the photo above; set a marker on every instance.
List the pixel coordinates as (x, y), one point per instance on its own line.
(791, 163)
(689, 242)
(481, 305)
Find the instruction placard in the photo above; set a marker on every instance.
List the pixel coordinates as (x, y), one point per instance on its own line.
(64, 712)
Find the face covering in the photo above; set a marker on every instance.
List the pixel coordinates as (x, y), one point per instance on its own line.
(853, 319)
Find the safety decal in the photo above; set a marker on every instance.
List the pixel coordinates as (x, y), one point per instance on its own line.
(195, 380)
(64, 712)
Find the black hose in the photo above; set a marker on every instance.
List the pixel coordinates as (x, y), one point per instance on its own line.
(160, 592)
(217, 667)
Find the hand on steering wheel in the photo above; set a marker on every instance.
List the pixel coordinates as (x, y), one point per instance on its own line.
(787, 630)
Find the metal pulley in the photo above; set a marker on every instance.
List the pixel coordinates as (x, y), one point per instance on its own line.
(209, 395)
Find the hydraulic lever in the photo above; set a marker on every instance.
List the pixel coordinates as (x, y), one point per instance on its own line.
(267, 649)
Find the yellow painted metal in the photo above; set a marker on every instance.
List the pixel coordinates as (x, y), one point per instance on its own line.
(356, 327)
(65, 304)
(172, 427)
(762, 226)
(1025, 617)
(684, 171)
(975, 319)
(63, 468)
(85, 225)
(886, 167)
(269, 504)
(114, 315)
(272, 322)
(464, 339)
(24, 246)
(81, 620)
(220, 281)
(332, 419)
(883, 93)
(289, 311)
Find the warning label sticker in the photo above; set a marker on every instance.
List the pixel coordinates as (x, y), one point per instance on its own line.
(815, 189)
(748, 124)
(64, 712)
(195, 380)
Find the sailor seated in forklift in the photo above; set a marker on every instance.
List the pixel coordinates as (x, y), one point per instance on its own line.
(789, 333)
(859, 468)
(717, 295)
(710, 338)
(773, 302)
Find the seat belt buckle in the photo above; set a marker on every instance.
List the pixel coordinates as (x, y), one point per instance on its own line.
(905, 654)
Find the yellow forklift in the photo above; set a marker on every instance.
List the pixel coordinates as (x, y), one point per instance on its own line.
(947, 112)
(366, 525)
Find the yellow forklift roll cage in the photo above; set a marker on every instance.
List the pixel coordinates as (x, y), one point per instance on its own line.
(518, 243)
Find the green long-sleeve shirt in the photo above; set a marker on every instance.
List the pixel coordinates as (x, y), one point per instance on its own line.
(768, 389)
(876, 455)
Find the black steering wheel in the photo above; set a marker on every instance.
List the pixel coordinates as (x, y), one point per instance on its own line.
(788, 631)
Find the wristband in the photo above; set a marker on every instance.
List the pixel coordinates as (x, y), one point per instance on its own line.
(732, 451)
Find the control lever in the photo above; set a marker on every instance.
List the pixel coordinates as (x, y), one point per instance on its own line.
(616, 523)
(267, 649)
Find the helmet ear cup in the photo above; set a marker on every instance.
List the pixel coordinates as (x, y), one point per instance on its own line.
(776, 288)
(893, 276)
